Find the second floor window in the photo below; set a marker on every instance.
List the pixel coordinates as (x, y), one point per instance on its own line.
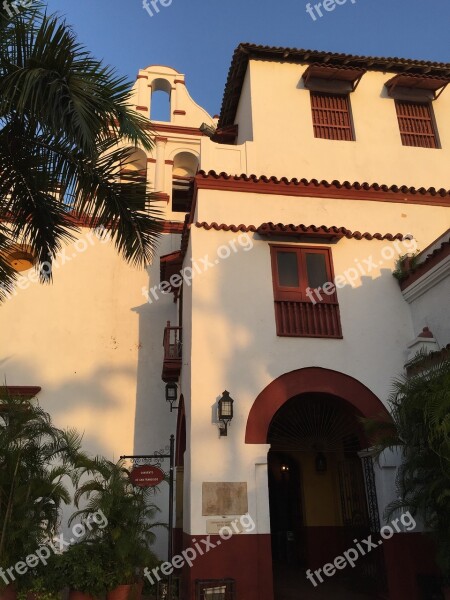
(416, 122)
(332, 116)
(305, 298)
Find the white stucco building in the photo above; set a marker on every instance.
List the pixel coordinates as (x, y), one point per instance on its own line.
(285, 217)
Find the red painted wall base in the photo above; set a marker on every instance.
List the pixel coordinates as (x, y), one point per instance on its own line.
(246, 558)
(408, 556)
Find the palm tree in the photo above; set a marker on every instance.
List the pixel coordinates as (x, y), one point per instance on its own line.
(64, 120)
(420, 408)
(37, 460)
(129, 514)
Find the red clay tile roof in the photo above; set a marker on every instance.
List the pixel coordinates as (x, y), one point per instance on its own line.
(337, 232)
(323, 188)
(307, 230)
(244, 52)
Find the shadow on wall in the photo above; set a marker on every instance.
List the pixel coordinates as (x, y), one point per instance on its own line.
(75, 400)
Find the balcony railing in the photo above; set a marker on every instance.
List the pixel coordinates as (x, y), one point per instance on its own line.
(172, 353)
(305, 319)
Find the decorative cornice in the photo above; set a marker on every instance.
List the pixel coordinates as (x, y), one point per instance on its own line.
(322, 189)
(175, 129)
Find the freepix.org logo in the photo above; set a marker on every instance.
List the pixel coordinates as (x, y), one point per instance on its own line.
(14, 7)
(153, 6)
(315, 10)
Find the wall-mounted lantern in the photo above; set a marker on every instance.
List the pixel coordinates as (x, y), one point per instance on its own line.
(225, 412)
(172, 394)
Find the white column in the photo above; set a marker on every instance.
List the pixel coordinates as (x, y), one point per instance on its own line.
(160, 163)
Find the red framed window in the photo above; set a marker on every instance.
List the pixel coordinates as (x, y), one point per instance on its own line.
(302, 307)
(416, 123)
(331, 116)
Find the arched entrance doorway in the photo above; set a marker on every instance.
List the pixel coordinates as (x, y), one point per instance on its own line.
(317, 490)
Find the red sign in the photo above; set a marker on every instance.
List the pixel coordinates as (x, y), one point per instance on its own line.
(146, 476)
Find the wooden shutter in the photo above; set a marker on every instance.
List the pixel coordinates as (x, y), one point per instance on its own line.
(296, 314)
(415, 120)
(331, 116)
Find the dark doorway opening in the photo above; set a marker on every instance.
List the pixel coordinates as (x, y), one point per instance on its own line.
(317, 496)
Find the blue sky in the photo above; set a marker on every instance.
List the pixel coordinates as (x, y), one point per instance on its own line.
(198, 37)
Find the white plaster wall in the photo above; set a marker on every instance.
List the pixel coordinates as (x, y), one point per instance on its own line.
(186, 390)
(234, 341)
(284, 144)
(244, 112)
(431, 308)
(94, 345)
(425, 223)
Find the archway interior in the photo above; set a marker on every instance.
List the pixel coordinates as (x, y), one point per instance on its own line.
(185, 166)
(316, 485)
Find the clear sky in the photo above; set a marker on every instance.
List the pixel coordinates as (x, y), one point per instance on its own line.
(198, 37)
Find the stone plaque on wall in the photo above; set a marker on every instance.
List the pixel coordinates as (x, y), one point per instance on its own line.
(222, 498)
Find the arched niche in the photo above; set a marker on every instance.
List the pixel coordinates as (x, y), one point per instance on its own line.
(185, 166)
(160, 101)
(133, 169)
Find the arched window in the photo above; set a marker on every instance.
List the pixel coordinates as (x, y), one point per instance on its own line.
(134, 170)
(185, 167)
(160, 109)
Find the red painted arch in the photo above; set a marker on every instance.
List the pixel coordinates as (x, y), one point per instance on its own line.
(304, 381)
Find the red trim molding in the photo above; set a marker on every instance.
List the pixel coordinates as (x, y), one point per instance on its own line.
(19, 391)
(321, 189)
(175, 129)
(303, 381)
(158, 196)
(180, 81)
(142, 77)
(179, 112)
(143, 108)
(160, 138)
(169, 162)
(172, 227)
(151, 160)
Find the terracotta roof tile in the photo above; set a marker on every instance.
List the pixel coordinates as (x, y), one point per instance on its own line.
(331, 189)
(306, 230)
(338, 232)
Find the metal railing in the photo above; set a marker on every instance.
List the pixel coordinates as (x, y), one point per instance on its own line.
(215, 589)
(172, 342)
